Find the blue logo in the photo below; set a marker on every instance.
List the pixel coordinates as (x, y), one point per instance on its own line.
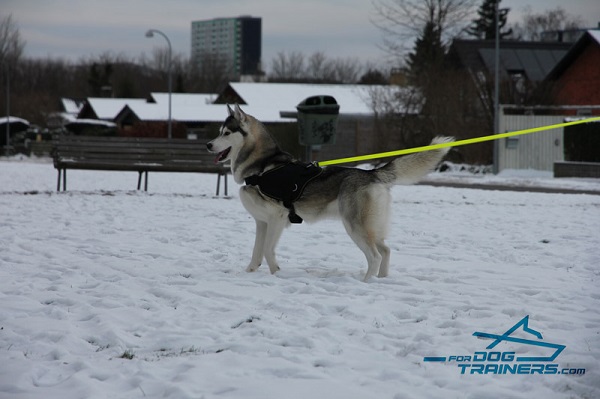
(496, 362)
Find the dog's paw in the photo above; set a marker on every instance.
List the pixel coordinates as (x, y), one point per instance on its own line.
(252, 268)
(274, 269)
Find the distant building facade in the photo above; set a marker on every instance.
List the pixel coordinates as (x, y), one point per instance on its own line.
(576, 77)
(235, 43)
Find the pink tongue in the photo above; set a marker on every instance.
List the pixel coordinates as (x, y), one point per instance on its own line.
(221, 155)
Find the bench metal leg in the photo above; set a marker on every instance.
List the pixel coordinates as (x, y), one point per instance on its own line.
(145, 173)
(62, 175)
(219, 183)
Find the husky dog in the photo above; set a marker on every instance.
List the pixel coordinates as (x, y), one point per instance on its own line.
(361, 198)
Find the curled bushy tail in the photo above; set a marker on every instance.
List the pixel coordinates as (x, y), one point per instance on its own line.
(409, 169)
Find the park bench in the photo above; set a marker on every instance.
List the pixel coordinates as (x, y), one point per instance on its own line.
(134, 154)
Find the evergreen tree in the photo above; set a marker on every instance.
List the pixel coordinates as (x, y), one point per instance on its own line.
(428, 53)
(484, 27)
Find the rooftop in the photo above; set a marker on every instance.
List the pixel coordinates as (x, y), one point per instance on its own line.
(535, 59)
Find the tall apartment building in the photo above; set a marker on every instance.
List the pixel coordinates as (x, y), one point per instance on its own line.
(235, 43)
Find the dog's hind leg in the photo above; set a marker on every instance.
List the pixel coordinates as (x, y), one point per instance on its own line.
(384, 250)
(373, 261)
(365, 215)
(259, 246)
(366, 241)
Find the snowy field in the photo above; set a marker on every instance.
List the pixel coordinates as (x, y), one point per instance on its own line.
(106, 292)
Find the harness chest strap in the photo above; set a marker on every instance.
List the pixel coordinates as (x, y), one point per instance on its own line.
(286, 183)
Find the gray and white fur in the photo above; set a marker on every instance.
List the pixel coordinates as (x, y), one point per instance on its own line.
(360, 198)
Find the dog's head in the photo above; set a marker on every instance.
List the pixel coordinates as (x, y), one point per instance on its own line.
(232, 135)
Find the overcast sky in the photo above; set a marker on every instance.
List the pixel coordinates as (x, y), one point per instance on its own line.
(75, 29)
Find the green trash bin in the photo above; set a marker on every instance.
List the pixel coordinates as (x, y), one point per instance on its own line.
(317, 120)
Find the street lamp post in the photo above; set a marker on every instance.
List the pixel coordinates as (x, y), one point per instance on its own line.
(496, 87)
(7, 109)
(150, 33)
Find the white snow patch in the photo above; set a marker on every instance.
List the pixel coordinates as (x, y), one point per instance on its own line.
(106, 292)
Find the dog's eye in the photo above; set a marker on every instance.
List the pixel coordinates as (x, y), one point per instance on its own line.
(226, 133)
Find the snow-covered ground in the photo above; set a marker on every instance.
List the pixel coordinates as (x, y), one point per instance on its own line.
(524, 178)
(106, 292)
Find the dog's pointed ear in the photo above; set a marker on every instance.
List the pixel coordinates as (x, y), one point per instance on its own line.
(239, 114)
(230, 111)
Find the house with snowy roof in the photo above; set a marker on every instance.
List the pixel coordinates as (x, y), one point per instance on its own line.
(182, 99)
(71, 106)
(574, 83)
(69, 116)
(191, 113)
(267, 101)
(272, 103)
(105, 108)
(198, 115)
(96, 115)
(356, 130)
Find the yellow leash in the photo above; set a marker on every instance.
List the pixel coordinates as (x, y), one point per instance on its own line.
(454, 143)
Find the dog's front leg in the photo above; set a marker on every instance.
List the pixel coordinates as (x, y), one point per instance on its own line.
(274, 229)
(259, 246)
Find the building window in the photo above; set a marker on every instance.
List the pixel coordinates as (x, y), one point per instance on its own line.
(584, 112)
(512, 143)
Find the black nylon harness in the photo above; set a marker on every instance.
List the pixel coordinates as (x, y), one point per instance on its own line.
(286, 183)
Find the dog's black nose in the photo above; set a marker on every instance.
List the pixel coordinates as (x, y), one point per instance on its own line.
(209, 146)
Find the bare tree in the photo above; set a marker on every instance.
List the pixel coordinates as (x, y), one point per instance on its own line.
(317, 69)
(407, 116)
(400, 21)
(441, 100)
(279, 67)
(320, 68)
(288, 67)
(347, 70)
(533, 25)
(296, 64)
(209, 73)
(11, 49)
(11, 44)
(160, 59)
(395, 109)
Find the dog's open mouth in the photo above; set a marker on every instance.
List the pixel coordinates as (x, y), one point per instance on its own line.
(222, 156)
